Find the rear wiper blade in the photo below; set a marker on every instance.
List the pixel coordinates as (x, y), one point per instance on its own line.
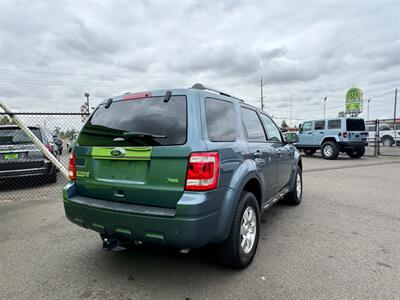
(143, 134)
(136, 134)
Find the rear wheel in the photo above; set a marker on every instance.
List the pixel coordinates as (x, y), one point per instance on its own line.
(296, 192)
(309, 151)
(387, 141)
(356, 153)
(330, 150)
(52, 176)
(238, 250)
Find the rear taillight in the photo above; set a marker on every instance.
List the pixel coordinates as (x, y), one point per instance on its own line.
(72, 167)
(203, 171)
(49, 147)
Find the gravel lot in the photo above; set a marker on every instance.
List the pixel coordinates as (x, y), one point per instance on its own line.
(343, 242)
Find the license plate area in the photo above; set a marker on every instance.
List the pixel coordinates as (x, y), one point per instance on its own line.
(134, 171)
(11, 156)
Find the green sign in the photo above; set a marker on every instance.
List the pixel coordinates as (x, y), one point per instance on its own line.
(354, 98)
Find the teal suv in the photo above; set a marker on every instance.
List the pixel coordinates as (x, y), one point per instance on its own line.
(181, 168)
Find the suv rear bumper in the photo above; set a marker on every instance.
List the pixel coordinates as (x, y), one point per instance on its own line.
(25, 169)
(355, 144)
(199, 218)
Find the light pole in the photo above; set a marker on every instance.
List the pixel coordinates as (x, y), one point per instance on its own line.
(291, 106)
(369, 100)
(324, 106)
(87, 95)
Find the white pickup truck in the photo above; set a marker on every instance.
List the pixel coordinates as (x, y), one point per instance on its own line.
(389, 135)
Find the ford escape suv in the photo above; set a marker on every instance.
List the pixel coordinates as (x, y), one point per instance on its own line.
(181, 168)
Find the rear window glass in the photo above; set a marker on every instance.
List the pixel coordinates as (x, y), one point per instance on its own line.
(334, 124)
(220, 118)
(16, 136)
(139, 122)
(355, 125)
(319, 125)
(252, 126)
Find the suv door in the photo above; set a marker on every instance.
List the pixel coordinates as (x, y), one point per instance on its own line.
(319, 132)
(282, 150)
(305, 135)
(263, 153)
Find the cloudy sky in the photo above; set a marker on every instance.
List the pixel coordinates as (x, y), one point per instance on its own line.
(51, 52)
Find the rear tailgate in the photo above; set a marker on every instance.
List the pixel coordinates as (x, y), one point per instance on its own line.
(356, 130)
(147, 176)
(147, 168)
(17, 152)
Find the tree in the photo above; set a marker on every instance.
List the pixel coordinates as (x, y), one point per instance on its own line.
(284, 124)
(5, 120)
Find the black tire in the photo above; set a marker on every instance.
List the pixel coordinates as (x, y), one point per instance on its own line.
(330, 150)
(230, 251)
(294, 197)
(52, 176)
(356, 153)
(309, 151)
(387, 141)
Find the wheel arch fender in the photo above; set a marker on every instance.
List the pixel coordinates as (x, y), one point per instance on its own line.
(331, 138)
(230, 203)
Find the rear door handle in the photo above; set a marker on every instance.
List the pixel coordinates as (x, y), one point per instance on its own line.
(310, 133)
(321, 132)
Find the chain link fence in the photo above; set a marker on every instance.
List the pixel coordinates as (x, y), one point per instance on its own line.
(24, 171)
(383, 137)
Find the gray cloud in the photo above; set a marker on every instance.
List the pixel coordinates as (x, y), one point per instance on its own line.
(51, 53)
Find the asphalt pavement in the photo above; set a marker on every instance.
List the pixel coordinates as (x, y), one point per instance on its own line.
(342, 242)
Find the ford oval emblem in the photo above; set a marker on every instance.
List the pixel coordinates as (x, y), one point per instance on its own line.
(118, 152)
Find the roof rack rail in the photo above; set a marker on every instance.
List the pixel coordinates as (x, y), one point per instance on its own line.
(199, 86)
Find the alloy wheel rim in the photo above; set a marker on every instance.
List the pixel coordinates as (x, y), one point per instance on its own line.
(328, 150)
(298, 186)
(248, 229)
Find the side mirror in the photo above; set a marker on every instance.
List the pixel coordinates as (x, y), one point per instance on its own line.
(300, 127)
(291, 137)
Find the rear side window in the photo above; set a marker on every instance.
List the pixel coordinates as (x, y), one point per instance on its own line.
(334, 124)
(273, 132)
(319, 125)
(220, 119)
(252, 126)
(355, 125)
(138, 122)
(15, 136)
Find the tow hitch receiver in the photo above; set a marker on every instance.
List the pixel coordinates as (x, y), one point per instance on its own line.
(111, 244)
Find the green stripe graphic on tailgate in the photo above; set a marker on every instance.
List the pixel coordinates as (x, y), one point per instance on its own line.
(122, 153)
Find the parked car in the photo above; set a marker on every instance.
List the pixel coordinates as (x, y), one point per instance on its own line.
(182, 168)
(333, 136)
(71, 143)
(388, 134)
(19, 157)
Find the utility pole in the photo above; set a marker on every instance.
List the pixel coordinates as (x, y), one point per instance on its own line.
(395, 106)
(324, 106)
(262, 95)
(291, 106)
(369, 100)
(394, 116)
